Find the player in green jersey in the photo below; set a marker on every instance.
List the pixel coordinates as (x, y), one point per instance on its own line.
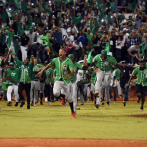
(141, 83)
(64, 70)
(104, 64)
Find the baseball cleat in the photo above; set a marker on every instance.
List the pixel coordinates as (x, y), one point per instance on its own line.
(22, 103)
(96, 94)
(9, 104)
(41, 103)
(73, 115)
(124, 103)
(16, 104)
(102, 103)
(28, 106)
(97, 106)
(141, 108)
(138, 100)
(77, 108)
(63, 101)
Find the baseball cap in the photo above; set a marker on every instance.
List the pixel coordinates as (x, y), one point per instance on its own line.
(11, 64)
(125, 29)
(71, 55)
(104, 52)
(31, 28)
(109, 54)
(68, 30)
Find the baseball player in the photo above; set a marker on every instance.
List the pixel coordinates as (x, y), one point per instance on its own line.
(115, 77)
(48, 84)
(13, 78)
(64, 70)
(141, 83)
(2, 63)
(92, 76)
(73, 78)
(26, 68)
(35, 82)
(104, 66)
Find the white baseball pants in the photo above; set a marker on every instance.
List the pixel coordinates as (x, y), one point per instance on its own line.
(58, 85)
(103, 80)
(92, 89)
(9, 91)
(74, 95)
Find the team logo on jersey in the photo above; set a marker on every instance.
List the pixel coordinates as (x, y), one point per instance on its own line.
(65, 67)
(13, 74)
(106, 63)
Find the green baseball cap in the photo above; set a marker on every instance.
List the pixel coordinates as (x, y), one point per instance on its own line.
(6, 28)
(94, 45)
(71, 55)
(104, 52)
(11, 64)
(31, 28)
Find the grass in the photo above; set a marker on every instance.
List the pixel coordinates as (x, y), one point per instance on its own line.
(113, 122)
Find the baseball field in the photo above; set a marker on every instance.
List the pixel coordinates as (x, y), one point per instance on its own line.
(53, 126)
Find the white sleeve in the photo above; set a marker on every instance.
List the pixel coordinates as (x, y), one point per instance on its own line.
(113, 73)
(80, 44)
(72, 38)
(74, 44)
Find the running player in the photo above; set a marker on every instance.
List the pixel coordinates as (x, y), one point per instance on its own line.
(141, 83)
(104, 66)
(64, 70)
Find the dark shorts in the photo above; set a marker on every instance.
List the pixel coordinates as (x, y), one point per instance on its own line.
(141, 89)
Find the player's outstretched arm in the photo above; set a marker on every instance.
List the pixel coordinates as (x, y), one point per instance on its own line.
(41, 72)
(6, 59)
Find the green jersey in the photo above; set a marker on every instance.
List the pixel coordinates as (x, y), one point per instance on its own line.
(77, 66)
(25, 71)
(93, 76)
(62, 67)
(141, 76)
(105, 65)
(34, 73)
(117, 74)
(14, 74)
(49, 75)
